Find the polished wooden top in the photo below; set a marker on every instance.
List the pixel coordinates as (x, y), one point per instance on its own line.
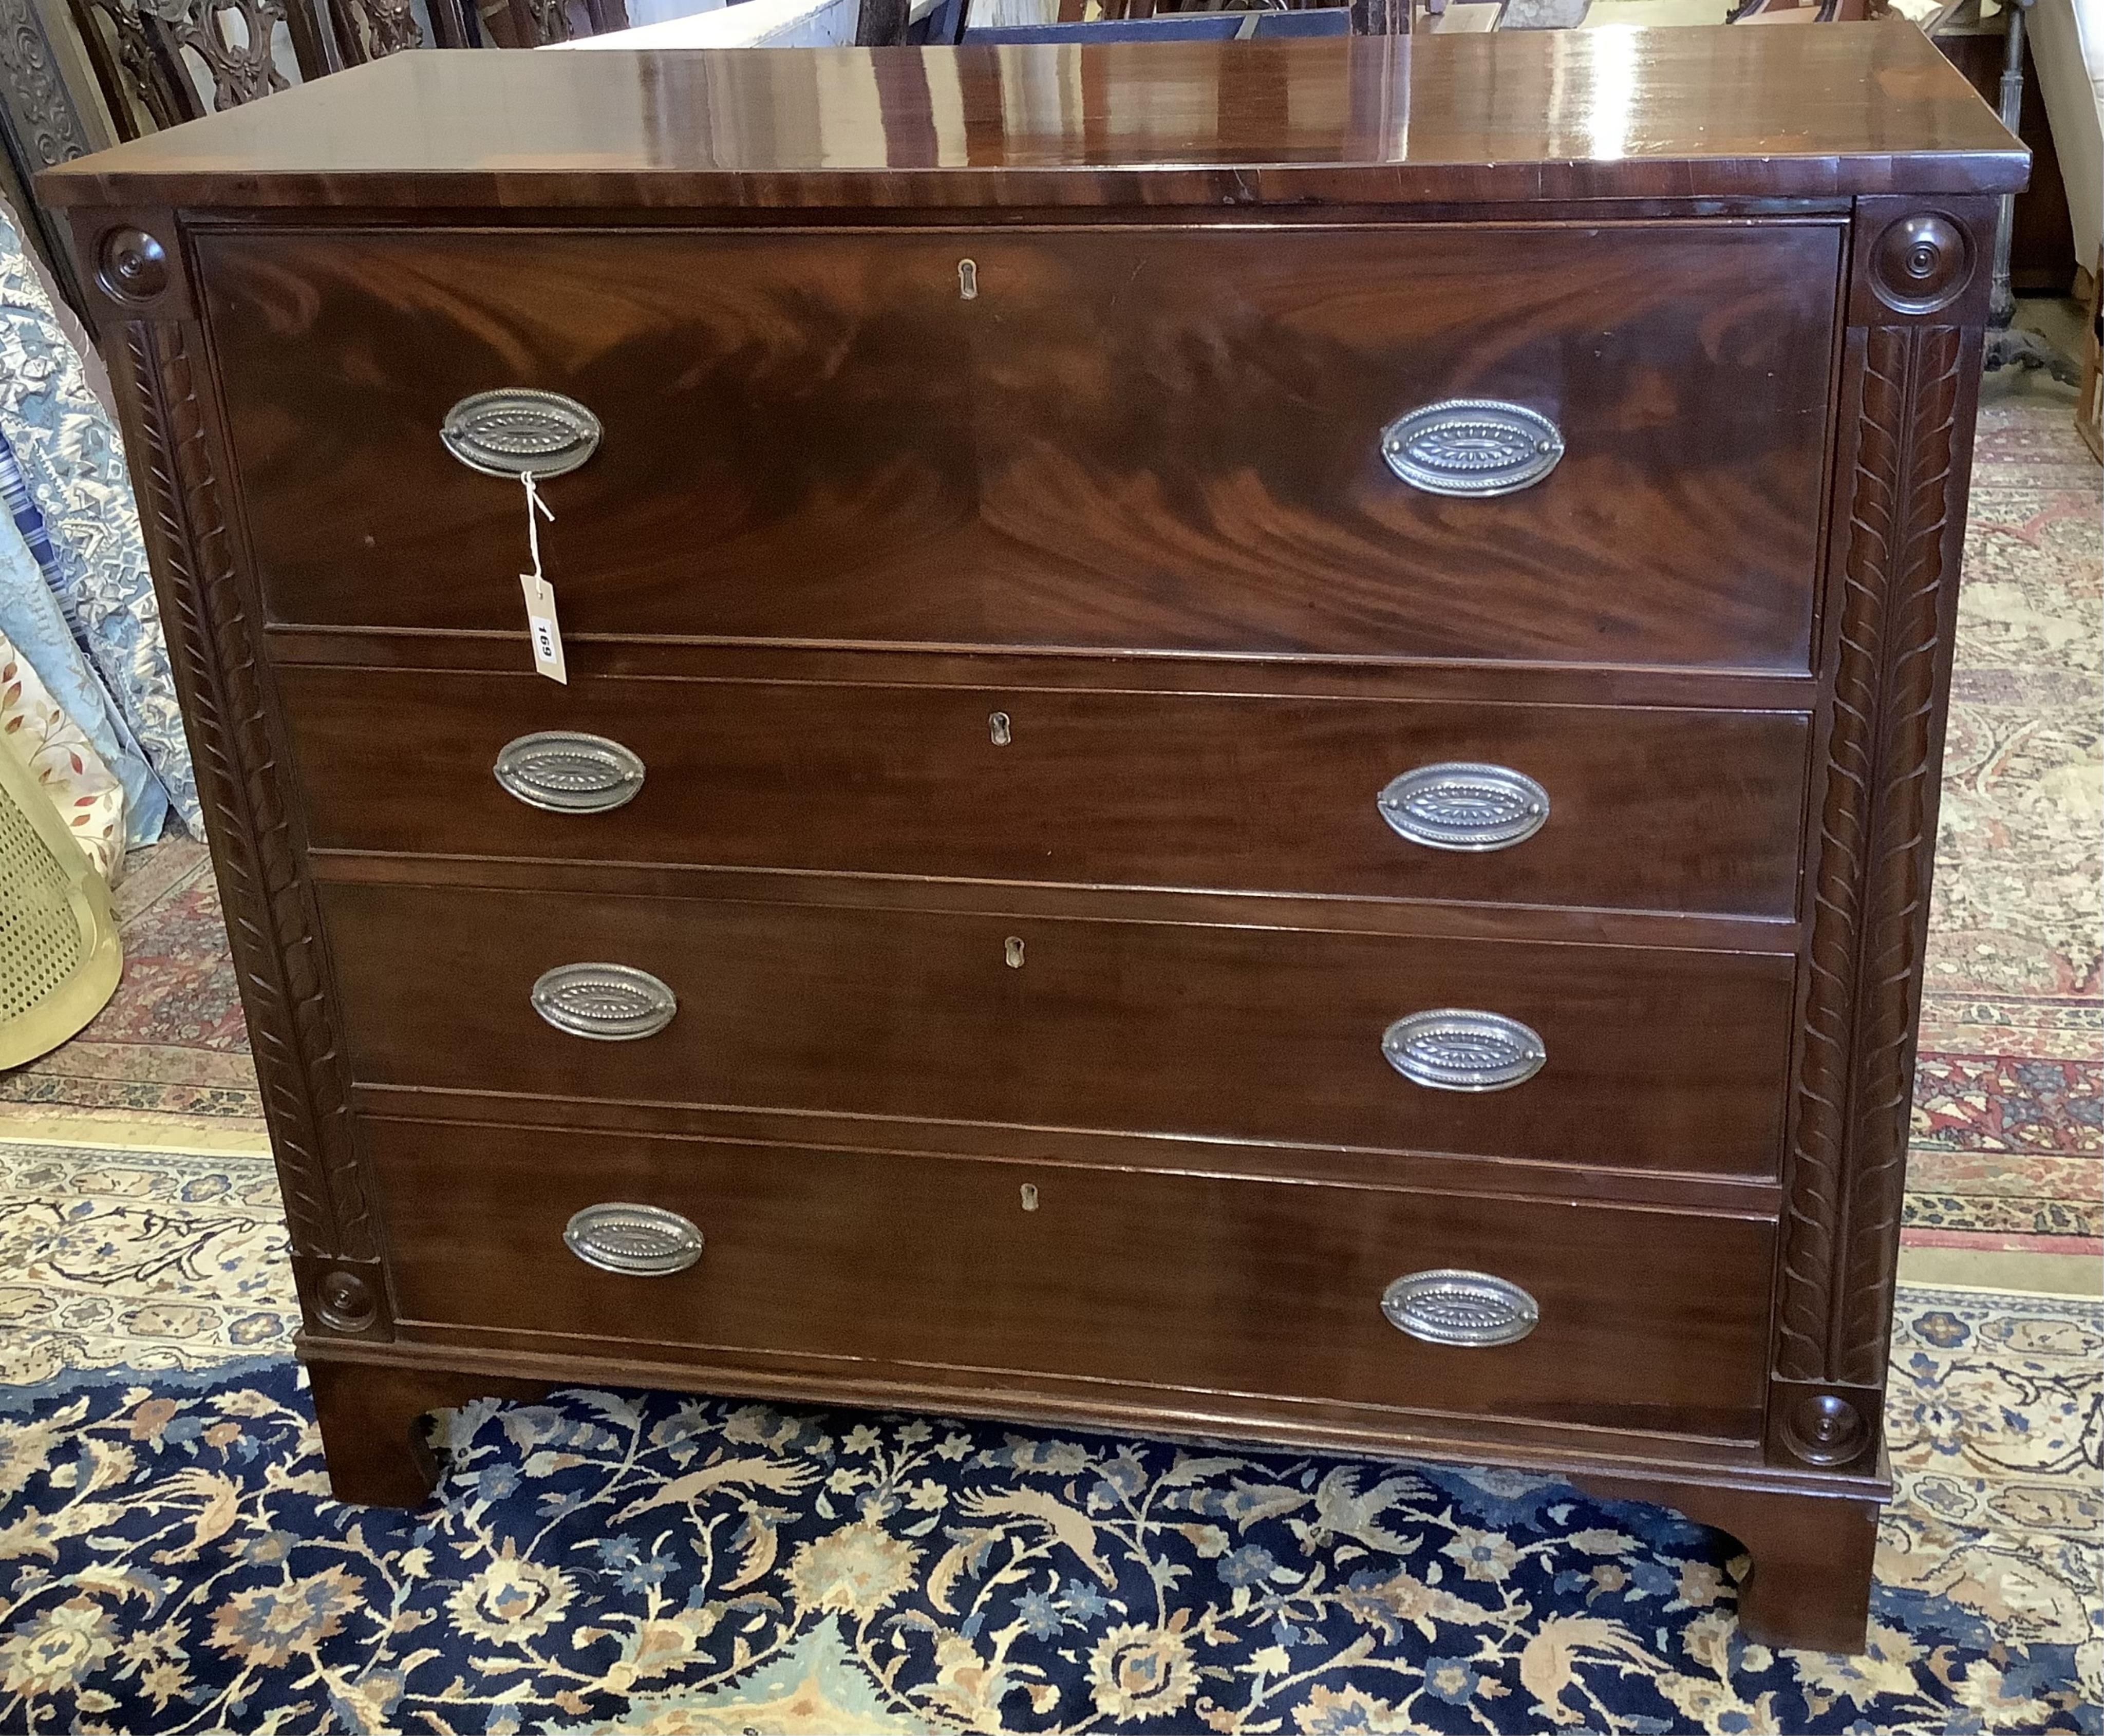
(1832, 111)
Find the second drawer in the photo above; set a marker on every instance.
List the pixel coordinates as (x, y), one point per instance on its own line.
(1648, 1057)
(1646, 809)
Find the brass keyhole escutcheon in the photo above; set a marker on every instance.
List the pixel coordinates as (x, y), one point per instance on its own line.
(1029, 1196)
(999, 731)
(1011, 951)
(968, 280)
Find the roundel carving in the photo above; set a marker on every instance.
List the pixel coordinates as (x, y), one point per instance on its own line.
(1823, 1428)
(133, 265)
(345, 1302)
(1921, 263)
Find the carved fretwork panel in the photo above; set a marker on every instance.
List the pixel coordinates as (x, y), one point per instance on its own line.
(40, 111)
(40, 119)
(371, 30)
(550, 20)
(234, 38)
(271, 921)
(524, 24)
(156, 43)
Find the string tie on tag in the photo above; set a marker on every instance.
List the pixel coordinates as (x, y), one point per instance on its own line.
(541, 626)
(535, 504)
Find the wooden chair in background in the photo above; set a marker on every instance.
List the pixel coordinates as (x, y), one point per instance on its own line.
(158, 63)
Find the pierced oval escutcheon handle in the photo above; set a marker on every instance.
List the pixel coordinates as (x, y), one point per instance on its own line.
(611, 1002)
(1449, 1306)
(640, 1241)
(568, 772)
(1461, 805)
(1459, 1048)
(518, 429)
(1472, 447)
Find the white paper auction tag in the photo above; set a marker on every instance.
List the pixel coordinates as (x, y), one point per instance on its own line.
(542, 628)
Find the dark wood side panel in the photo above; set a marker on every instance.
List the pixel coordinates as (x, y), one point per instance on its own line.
(1919, 287)
(1649, 809)
(1128, 438)
(1649, 1320)
(1657, 1059)
(173, 443)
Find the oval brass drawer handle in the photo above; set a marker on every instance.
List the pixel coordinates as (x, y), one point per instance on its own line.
(640, 1241)
(568, 772)
(509, 432)
(1459, 1048)
(1472, 447)
(1448, 1307)
(1462, 805)
(612, 1003)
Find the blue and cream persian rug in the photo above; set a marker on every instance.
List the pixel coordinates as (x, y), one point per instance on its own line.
(628, 1562)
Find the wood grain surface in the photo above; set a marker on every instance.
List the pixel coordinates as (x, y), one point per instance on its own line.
(1660, 1059)
(1155, 1280)
(1141, 440)
(1510, 115)
(1650, 808)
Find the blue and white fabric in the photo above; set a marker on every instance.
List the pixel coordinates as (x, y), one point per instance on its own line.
(31, 618)
(72, 463)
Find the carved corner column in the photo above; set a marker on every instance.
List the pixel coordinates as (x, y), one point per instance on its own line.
(153, 341)
(1917, 302)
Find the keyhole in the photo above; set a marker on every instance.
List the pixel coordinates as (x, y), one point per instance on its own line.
(1012, 950)
(1029, 1197)
(968, 280)
(997, 729)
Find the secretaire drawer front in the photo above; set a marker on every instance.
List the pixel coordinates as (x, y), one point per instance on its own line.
(1636, 809)
(1560, 442)
(1648, 1057)
(1611, 1317)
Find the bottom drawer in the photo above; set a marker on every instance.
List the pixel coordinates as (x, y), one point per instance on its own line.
(1646, 1320)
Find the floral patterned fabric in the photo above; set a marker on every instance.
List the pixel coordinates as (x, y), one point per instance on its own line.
(30, 616)
(82, 790)
(73, 460)
(621, 1562)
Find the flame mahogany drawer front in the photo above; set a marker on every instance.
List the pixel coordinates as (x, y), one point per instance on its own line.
(1651, 1058)
(1129, 438)
(1657, 808)
(1151, 1281)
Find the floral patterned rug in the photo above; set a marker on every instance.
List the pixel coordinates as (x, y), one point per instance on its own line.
(2010, 1115)
(2008, 1150)
(641, 1563)
(170, 1053)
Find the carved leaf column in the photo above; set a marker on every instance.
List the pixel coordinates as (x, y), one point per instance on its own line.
(1910, 387)
(273, 924)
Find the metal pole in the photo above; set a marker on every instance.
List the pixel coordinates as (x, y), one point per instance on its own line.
(2002, 300)
(2005, 346)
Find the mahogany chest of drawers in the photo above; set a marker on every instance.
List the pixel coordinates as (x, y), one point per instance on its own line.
(1250, 741)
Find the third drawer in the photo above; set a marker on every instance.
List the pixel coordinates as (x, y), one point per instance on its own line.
(1650, 1057)
(1647, 808)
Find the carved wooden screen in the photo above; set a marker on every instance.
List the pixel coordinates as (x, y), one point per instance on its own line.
(163, 62)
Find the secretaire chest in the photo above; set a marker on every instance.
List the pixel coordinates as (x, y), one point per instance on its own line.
(1249, 739)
